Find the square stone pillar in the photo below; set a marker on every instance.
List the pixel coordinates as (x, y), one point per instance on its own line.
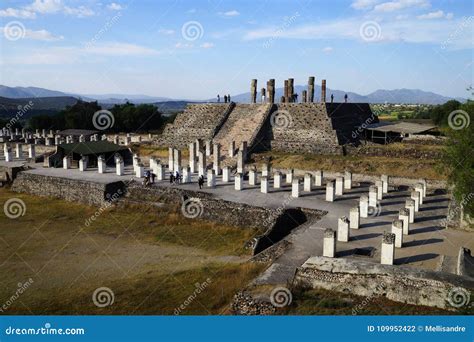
(217, 158)
(101, 166)
(295, 188)
(57, 140)
(83, 164)
(397, 229)
(202, 166)
(152, 162)
(419, 188)
(384, 179)
(232, 149)
(160, 172)
(171, 159)
(208, 148)
(347, 180)
(379, 186)
(186, 174)
(225, 174)
(289, 176)
(424, 184)
(372, 196)
(354, 218)
(18, 151)
(339, 186)
(240, 162)
(238, 181)
(265, 170)
(128, 140)
(252, 176)
(177, 160)
(364, 206)
(318, 178)
(243, 148)
(264, 185)
(415, 196)
(343, 229)
(277, 180)
(387, 252)
(308, 182)
(404, 216)
(330, 194)
(192, 157)
(410, 205)
(329, 243)
(211, 178)
(82, 138)
(198, 144)
(135, 160)
(31, 151)
(119, 167)
(117, 140)
(66, 163)
(140, 171)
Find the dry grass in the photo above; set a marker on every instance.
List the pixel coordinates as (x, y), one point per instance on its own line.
(402, 167)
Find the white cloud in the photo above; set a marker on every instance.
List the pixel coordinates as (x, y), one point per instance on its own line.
(42, 35)
(436, 15)
(363, 4)
(183, 45)
(400, 4)
(114, 6)
(449, 16)
(207, 45)
(232, 13)
(167, 32)
(17, 13)
(46, 7)
(328, 49)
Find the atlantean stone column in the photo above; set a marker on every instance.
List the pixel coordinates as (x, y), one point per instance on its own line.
(291, 89)
(253, 91)
(364, 206)
(323, 91)
(329, 243)
(277, 180)
(387, 253)
(397, 229)
(271, 90)
(330, 191)
(343, 229)
(404, 216)
(286, 91)
(354, 218)
(311, 89)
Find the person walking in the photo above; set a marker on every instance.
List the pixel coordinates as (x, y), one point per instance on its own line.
(201, 181)
(218, 98)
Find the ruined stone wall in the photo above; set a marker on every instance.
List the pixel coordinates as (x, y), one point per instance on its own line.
(198, 121)
(71, 190)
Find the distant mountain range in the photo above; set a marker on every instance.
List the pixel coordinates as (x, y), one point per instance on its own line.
(407, 96)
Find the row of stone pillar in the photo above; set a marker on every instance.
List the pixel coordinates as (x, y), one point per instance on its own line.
(8, 153)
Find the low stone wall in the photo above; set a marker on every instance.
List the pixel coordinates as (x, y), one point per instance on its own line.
(9, 173)
(72, 190)
(398, 283)
(409, 151)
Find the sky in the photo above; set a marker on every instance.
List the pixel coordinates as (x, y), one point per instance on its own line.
(197, 49)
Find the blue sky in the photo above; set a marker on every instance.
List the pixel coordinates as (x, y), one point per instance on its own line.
(196, 49)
